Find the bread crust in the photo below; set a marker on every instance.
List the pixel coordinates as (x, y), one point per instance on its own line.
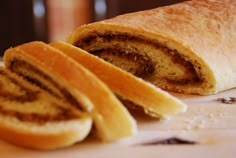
(111, 118)
(73, 132)
(202, 30)
(153, 100)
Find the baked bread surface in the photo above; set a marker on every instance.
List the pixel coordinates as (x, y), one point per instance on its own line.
(196, 37)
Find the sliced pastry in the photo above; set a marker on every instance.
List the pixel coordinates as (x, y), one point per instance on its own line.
(66, 79)
(33, 118)
(130, 89)
(187, 47)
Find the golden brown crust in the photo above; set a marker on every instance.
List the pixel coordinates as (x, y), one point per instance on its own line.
(200, 30)
(153, 100)
(98, 100)
(70, 134)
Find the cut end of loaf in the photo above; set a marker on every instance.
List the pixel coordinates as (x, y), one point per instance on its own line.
(155, 58)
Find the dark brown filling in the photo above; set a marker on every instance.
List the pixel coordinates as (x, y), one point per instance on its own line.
(29, 95)
(63, 115)
(193, 76)
(16, 65)
(145, 66)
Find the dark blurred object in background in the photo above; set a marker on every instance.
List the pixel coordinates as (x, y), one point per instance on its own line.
(18, 23)
(48, 20)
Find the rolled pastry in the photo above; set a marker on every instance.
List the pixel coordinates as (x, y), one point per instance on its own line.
(133, 91)
(187, 47)
(33, 118)
(66, 79)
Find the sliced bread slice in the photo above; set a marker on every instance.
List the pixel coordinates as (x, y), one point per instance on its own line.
(31, 117)
(55, 72)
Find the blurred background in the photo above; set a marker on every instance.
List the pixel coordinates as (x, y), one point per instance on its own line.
(49, 20)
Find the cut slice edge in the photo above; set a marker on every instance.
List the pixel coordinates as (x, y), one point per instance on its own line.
(155, 101)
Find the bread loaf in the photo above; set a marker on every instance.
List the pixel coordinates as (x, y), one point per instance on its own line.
(33, 118)
(66, 79)
(130, 89)
(187, 47)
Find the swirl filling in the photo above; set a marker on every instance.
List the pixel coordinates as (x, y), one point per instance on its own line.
(142, 57)
(44, 81)
(139, 64)
(25, 104)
